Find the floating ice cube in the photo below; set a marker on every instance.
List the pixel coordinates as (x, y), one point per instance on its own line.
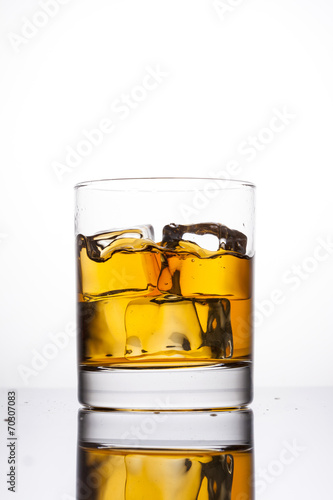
(119, 262)
(165, 324)
(227, 239)
(98, 246)
(188, 274)
(168, 324)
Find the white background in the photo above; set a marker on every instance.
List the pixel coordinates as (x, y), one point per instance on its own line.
(226, 74)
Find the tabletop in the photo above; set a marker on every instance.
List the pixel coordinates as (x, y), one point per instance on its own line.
(292, 443)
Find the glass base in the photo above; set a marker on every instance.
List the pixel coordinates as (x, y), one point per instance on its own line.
(216, 386)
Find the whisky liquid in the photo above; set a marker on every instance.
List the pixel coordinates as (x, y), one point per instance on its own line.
(164, 475)
(162, 304)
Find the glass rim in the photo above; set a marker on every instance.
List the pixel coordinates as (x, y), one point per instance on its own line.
(105, 184)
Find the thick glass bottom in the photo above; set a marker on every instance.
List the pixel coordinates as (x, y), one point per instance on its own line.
(204, 387)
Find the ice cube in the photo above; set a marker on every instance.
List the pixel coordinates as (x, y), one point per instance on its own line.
(189, 275)
(228, 239)
(170, 325)
(112, 264)
(102, 329)
(214, 317)
(167, 325)
(99, 245)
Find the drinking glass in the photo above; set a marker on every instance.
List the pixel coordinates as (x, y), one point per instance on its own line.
(165, 275)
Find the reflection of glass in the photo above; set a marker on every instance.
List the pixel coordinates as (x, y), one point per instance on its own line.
(165, 456)
(165, 292)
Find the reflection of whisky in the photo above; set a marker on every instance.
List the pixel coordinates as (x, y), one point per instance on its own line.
(164, 304)
(163, 475)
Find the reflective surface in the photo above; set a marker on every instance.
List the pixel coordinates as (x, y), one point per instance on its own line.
(206, 455)
(292, 435)
(164, 475)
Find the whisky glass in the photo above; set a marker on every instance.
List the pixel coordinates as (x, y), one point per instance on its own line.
(164, 274)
